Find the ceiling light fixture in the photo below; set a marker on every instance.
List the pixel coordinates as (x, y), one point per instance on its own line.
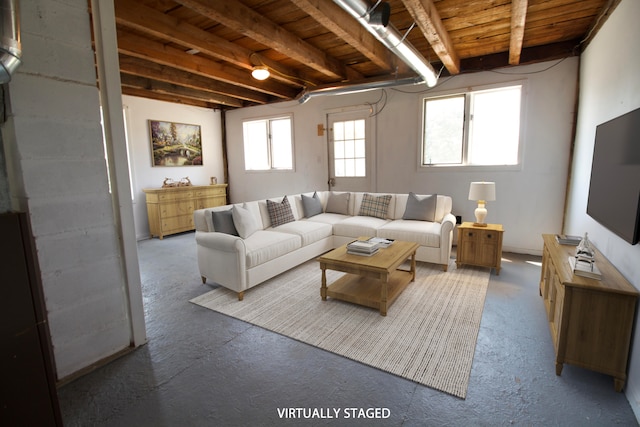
(377, 23)
(260, 72)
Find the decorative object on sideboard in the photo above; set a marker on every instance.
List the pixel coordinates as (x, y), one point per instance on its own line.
(585, 252)
(175, 144)
(183, 182)
(214, 180)
(482, 192)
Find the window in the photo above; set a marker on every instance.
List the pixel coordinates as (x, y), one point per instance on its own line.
(349, 148)
(474, 128)
(268, 144)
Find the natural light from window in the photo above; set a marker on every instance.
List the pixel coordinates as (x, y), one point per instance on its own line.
(268, 144)
(349, 148)
(474, 128)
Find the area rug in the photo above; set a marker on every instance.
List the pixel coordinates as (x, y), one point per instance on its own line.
(428, 336)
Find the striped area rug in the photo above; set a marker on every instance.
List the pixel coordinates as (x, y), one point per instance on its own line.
(428, 336)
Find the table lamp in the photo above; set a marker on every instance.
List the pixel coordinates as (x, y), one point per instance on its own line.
(482, 192)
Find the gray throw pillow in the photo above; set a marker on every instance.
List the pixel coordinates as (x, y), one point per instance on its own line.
(421, 209)
(312, 206)
(244, 221)
(338, 203)
(223, 222)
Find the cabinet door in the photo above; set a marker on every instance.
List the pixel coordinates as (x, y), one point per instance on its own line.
(488, 248)
(170, 209)
(469, 247)
(558, 306)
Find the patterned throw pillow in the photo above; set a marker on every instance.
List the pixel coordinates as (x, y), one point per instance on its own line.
(375, 206)
(280, 213)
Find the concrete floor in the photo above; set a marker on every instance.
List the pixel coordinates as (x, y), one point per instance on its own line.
(201, 368)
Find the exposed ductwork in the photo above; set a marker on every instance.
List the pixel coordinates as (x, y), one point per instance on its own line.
(388, 35)
(362, 87)
(10, 47)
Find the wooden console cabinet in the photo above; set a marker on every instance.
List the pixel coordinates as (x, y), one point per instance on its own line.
(590, 320)
(481, 246)
(170, 210)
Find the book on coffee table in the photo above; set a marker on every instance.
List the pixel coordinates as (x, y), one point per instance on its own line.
(362, 247)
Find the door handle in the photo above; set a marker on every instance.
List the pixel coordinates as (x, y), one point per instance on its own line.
(332, 182)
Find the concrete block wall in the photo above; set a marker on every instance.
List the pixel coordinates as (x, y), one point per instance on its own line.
(57, 170)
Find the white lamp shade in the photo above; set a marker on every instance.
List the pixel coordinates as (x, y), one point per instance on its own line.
(260, 73)
(482, 191)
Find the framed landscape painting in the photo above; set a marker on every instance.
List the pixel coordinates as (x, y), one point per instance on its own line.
(175, 144)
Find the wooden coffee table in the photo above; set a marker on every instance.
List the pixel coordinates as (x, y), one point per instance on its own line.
(373, 281)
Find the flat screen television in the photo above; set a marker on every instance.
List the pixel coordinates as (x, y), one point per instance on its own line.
(614, 191)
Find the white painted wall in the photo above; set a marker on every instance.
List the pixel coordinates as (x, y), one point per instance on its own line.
(530, 198)
(57, 172)
(138, 112)
(609, 87)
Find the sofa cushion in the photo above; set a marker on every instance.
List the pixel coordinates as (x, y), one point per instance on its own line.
(421, 208)
(338, 203)
(223, 222)
(425, 233)
(266, 245)
(311, 205)
(244, 221)
(357, 226)
(375, 206)
(309, 231)
(280, 213)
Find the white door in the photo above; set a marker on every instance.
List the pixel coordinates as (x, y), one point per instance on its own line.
(351, 154)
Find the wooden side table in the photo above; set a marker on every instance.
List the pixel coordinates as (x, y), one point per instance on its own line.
(481, 246)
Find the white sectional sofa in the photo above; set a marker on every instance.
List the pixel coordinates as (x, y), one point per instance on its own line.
(307, 228)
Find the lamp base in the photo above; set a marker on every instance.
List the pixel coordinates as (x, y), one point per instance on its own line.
(478, 224)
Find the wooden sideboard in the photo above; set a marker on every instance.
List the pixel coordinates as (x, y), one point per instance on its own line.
(590, 320)
(480, 246)
(170, 210)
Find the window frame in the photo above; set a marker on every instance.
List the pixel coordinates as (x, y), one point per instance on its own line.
(269, 120)
(465, 143)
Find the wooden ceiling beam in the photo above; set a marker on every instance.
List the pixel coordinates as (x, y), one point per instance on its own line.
(149, 21)
(142, 93)
(426, 16)
(152, 70)
(177, 90)
(246, 21)
(518, 20)
(140, 47)
(340, 23)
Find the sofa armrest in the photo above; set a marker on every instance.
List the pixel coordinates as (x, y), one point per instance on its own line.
(220, 241)
(222, 259)
(446, 237)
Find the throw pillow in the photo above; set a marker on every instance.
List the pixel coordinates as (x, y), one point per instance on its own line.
(244, 221)
(223, 222)
(338, 203)
(280, 213)
(376, 206)
(312, 206)
(421, 209)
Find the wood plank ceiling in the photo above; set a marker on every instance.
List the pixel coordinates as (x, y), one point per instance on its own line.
(201, 52)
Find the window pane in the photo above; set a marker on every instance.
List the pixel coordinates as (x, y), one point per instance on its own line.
(443, 130)
(495, 127)
(256, 150)
(361, 168)
(349, 144)
(281, 151)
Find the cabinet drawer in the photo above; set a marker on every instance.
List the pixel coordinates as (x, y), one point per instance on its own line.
(470, 235)
(175, 195)
(488, 237)
(176, 208)
(210, 202)
(184, 222)
(209, 192)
